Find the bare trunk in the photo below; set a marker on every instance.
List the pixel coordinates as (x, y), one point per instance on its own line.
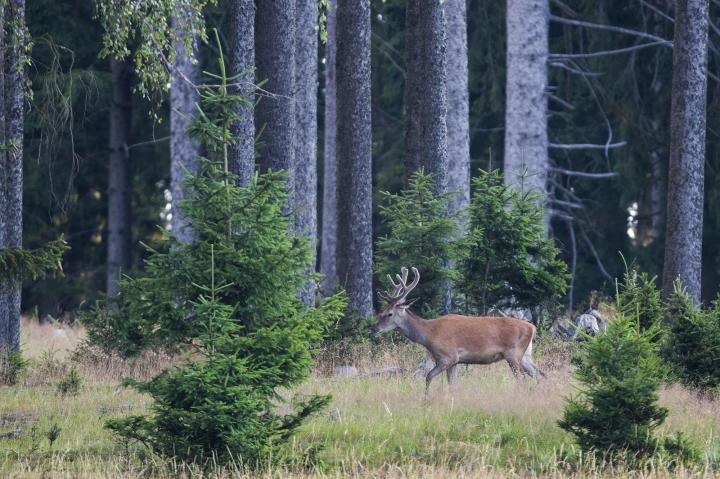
(119, 222)
(306, 84)
(683, 238)
(184, 150)
(328, 241)
(526, 143)
(434, 77)
(354, 155)
(414, 93)
(241, 155)
(275, 113)
(11, 168)
(434, 117)
(458, 116)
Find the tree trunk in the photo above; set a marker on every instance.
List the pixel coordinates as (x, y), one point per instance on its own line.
(275, 113)
(241, 14)
(306, 85)
(458, 116)
(328, 242)
(354, 155)
(434, 78)
(184, 150)
(119, 217)
(434, 117)
(11, 168)
(683, 238)
(413, 94)
(526, 143)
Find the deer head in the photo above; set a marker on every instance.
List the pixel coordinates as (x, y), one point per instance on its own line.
(395, 312)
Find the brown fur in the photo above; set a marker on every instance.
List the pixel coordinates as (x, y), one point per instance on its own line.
(454, 339)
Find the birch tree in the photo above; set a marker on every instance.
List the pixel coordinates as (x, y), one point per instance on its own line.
(686, 172)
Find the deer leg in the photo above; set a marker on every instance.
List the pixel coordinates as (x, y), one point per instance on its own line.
(439, 367)
(451, 375)
(515, 367)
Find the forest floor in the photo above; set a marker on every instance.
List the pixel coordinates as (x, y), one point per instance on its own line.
(376, 426)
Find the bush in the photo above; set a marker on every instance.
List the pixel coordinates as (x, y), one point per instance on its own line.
(616, 412)
(420, 235)
(638, 296)
(681, 450)
(507, 258)
(692, 345)
(12, 366)
(71, 384)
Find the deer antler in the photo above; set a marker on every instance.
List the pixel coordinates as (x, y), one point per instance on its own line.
(401, 287)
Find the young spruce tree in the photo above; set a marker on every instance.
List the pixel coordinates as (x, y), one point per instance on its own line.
(506, 259)
(421, 233)
(620, 373)
(692, 345)
(228, 300)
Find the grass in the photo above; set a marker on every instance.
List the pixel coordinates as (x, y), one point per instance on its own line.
(376, 426)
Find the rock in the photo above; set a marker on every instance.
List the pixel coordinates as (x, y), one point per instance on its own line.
(590, 323)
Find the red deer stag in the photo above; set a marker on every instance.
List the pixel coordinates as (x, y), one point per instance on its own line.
(454, 339)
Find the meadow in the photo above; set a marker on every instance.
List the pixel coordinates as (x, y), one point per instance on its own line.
(376, 426)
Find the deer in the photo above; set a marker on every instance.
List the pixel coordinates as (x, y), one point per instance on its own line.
(455, 339)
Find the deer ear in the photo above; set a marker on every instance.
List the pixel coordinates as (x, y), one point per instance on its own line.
(407, 305)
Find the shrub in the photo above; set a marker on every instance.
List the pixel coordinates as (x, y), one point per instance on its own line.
(507, 258)
(692, 345)
(638, 296)
(71, 384)
(420, 235)
(12, 366)
(681, 450)
(616, 411)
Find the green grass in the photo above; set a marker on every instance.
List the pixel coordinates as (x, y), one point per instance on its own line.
(376, 426)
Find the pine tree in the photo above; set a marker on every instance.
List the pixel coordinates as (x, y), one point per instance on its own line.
(506, 258)
(620, 374)
(420, 235)
(229, 300)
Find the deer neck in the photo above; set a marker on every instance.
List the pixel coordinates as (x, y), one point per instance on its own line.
(414, 328)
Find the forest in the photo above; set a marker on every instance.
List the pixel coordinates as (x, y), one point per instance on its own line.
(359, 238)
